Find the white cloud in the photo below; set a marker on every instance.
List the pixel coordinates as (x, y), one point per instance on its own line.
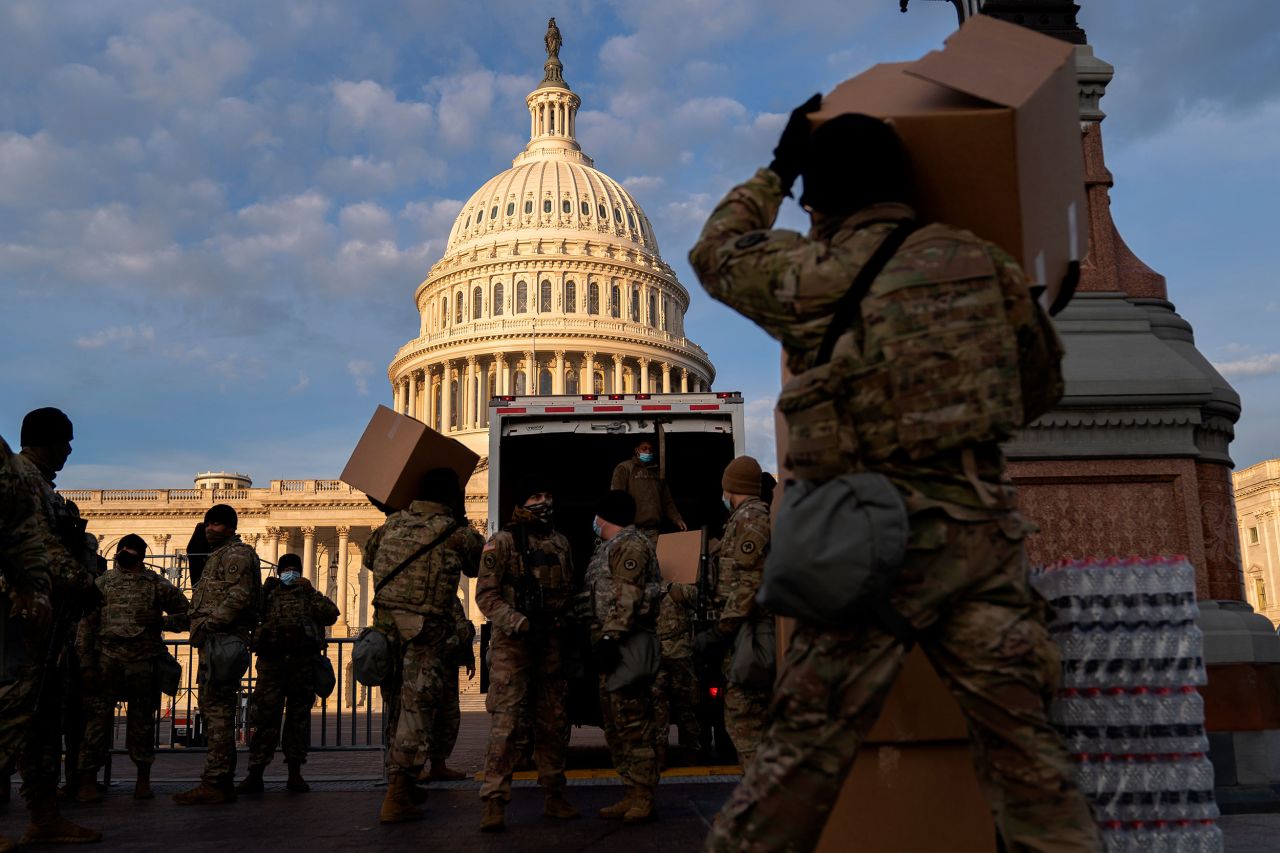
(360, 371)
(1257, 365)
(301, 384)
(758, 419)
(179, 56)
(118, 337)
(365, 221)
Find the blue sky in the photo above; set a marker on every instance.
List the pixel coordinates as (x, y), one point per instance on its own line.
(213, 216)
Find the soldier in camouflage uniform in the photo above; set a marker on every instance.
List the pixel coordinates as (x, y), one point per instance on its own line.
(675, 690)
(739, 571)
(640, 478)
(291, 634)
(225, 601)
(31, 707)
(444, 731)
(963, 594)
(120, 645)
(413, 606)
(622, 586)
(525, 589)
(25, 611)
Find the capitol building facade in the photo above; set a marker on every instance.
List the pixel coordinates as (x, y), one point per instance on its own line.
(551, 283)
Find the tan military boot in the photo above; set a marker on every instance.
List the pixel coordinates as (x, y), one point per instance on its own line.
(397, 805)
(618, 809)
(641, 806)
(49, 827)
(493, 819)
(142, 787)
(202, 795)
(87, 791)
(252, 783)
(296, 783)
(555, 805)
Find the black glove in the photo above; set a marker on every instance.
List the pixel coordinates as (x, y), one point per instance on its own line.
(708, 641)
(605, 654)
(788, 157)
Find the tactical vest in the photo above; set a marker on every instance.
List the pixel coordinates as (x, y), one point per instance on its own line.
(930, 365)
(287, 626)
(543, 556)
(129, 605)
(429, 584)
(215, 584)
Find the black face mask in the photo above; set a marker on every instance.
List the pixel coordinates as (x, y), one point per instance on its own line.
(216, 541)
(126, 560)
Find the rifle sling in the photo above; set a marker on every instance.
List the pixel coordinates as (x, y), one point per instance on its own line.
(448, 531)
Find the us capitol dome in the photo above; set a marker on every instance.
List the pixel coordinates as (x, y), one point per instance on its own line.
(551, 283)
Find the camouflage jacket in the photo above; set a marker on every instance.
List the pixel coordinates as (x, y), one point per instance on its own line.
(71, 567)
(23, 560)
(740, 564)
(426, 588)
(229, 595)
(789, 284)
(293, 619)
(654, 503)
(675, 619)
(131, 621)
(623, 583)
(462, 646)
(510, 579)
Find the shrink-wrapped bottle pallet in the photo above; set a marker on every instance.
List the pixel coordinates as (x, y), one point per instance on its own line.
(1129, 709)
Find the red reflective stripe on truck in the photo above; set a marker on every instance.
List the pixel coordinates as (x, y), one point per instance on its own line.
(552, 410)
(703, 407)
(606, 408)
(515, 410)
(655, 408)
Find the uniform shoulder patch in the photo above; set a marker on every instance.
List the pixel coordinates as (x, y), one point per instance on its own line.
(755, 238)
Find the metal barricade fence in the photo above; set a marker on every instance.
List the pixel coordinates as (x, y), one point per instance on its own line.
(349, 719)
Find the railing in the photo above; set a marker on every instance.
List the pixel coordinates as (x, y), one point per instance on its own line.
(206, 496)
(331, 486)
(349, 719)
(293, 485)
(130, 495)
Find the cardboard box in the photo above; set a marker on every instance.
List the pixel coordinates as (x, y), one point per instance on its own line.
(396, 451)
(992, 124)
(679, 555)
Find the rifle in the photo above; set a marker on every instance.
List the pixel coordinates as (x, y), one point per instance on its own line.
(529, 596)
(707, 613)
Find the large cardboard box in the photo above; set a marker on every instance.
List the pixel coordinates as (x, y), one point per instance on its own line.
(992, 126)
(396, 451)
(679, 555)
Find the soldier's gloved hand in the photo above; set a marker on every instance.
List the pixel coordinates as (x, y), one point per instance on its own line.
(521, 626)
(605, 654)
(32, 606)
(708, 641)
(788, 157)
(581, 609)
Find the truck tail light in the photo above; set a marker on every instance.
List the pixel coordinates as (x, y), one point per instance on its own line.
(714, 692)
(591, 396)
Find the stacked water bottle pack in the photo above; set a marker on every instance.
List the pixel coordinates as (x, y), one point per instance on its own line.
(1129, 709)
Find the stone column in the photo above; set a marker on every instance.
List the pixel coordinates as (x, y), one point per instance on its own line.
(412, 380)
(309, 554)
(557, 377)
(469, 395)
(344, 598)
(501, 368)
(644, 376)
(684, 380)
(161, 541)
(586, 382)
(617, 373)
(272, 544)
(429, 388)
(530, 374)
(666, 377)
(446, 399)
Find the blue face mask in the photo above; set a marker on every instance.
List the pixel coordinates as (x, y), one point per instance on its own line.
(289, 578)
(727, 504)
(595, 528)
(646, 458)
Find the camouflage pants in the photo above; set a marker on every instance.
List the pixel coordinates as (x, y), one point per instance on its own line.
(32, 745)
(628, 729)
(417, 696)
(285, 690)
(218, 707)
(746, 716)
(964, 587)
(675, 698)
(134, 683)
(444, 732)
(527, 693)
